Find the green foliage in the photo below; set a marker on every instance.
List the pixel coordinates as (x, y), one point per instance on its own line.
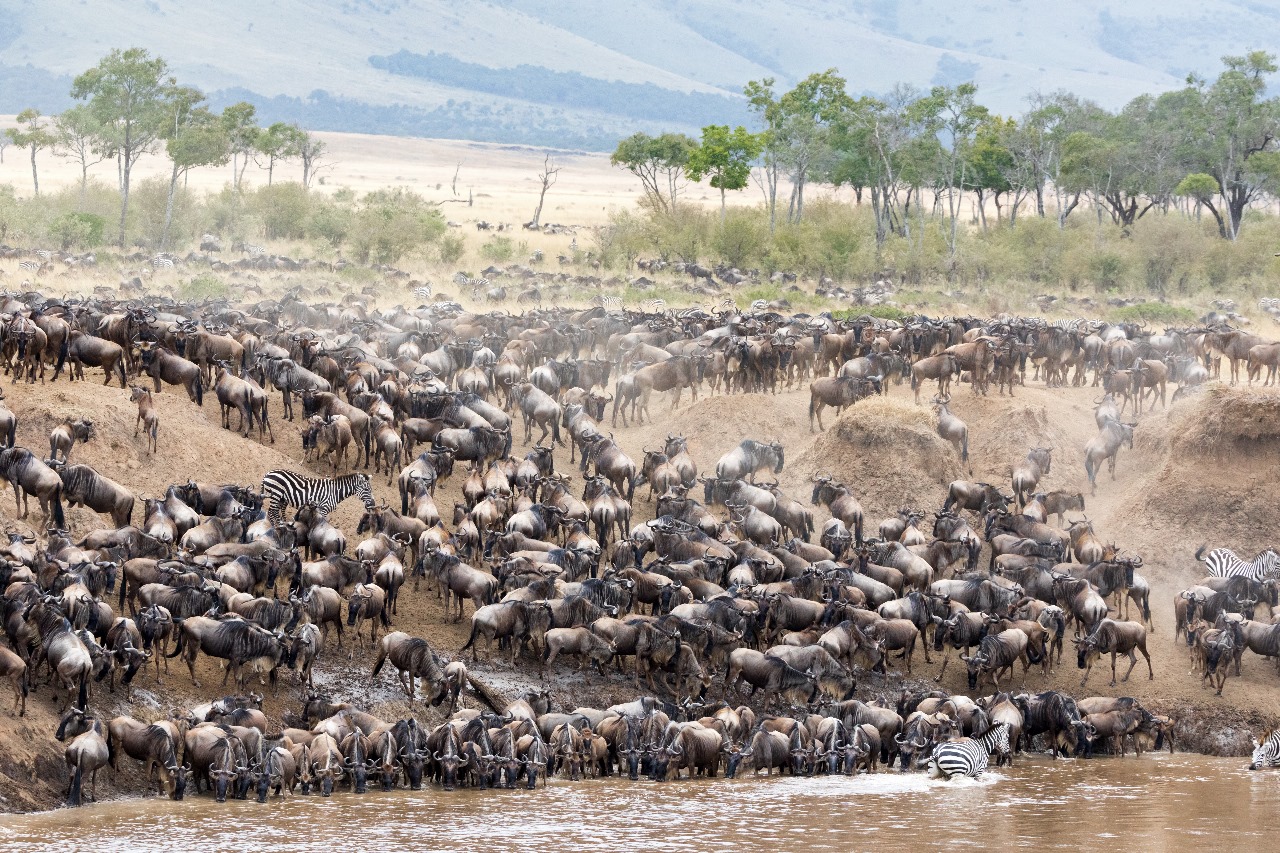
(883, 312)
(658, 162)
(1153, 312)
(725, 157)
(77, 231)
(451, 249)
(204, 286)
(498, 249)
(390, 224)
(285, 211)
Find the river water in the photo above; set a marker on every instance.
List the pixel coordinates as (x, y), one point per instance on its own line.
(1159, 802)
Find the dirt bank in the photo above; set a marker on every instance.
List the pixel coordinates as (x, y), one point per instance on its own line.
(1200, 472)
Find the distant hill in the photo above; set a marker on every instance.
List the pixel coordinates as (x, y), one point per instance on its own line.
(568, 74)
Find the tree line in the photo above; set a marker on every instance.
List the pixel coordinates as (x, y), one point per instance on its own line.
(1210, 146)
(132, 106)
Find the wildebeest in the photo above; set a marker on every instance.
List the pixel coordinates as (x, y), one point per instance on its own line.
(413, 658)
(28, 476)
(236, 641)
(749, 457)
(1027, 473)
(64, 436)
(86, 753)
(1105, 447)
(82, 485)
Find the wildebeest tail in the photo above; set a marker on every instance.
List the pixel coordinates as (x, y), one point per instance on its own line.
(199, 389)
(1033, 653)
(83, 695)
(1146, 612)
(12, 438)
(62, 354)
(77, 781)
(182, 638)
(59, 517)
(475, 629)
(124, 382)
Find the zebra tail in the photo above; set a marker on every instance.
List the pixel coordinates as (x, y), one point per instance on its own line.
(1200, 552)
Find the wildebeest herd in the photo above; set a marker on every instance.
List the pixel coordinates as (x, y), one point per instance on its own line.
(261, 578)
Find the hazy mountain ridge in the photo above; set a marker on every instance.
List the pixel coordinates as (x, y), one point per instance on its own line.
(325, 62)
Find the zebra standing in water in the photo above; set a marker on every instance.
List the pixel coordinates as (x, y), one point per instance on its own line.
(968, 755)
(1267, 753)
(288, 488)
(1223, 563)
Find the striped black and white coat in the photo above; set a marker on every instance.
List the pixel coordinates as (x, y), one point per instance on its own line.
(289, 488)
(1225, 563)
(968, 755)
(1267, 753)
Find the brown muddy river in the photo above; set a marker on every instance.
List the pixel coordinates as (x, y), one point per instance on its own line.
(1159, 802)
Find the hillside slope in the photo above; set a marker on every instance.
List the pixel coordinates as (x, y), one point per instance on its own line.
(317, 59)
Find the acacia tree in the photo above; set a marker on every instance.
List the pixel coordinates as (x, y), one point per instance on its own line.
(240, 122)
(196, 137)
(128, 94)
(33, 135)
(279, 142)
(725, 156)
(311, 152)
(77, 136)
(1233, 132)
(658, 161)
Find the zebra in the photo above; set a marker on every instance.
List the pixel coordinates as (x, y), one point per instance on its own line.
(476, 285)
(423, 292)
(968, 755)
(254, 250)
(759, 305)
(1223, 563)
(44, 255)
(1267, 753)
(162, 262)
(289, 488)
(35, 267)
(655, 306)
(611, 303)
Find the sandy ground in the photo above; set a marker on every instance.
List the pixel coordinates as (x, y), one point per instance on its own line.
(1163, 504)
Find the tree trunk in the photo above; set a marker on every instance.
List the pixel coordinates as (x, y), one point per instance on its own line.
(722, 207)
(244, 164)
(35, 180)
(125, 167)
(84, 182)
(168, 208)
(271, 168)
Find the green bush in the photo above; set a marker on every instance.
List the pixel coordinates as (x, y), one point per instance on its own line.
(452, 247)
(1153, 312)
(390, 224)
(77, 231)
(284, 210)
(204, 286)
(498, 249)
(883, 312)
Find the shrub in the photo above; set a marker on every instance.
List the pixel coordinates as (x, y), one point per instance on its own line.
(452, 247)
(204, 286)
(498, 249)
(77, 231)
(1153, 312)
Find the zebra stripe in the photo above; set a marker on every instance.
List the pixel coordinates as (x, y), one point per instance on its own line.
(1267, 753)
(44, 255)
(653, 306)
(288, 488)
(423, 292)
(1224, 563)
(161, 262)
(254, 250)
(968, 755)
(30, 266)
(759, 305)
(476, 284)
(611, 303)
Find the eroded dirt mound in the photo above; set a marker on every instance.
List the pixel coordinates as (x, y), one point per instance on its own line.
(888, 451)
